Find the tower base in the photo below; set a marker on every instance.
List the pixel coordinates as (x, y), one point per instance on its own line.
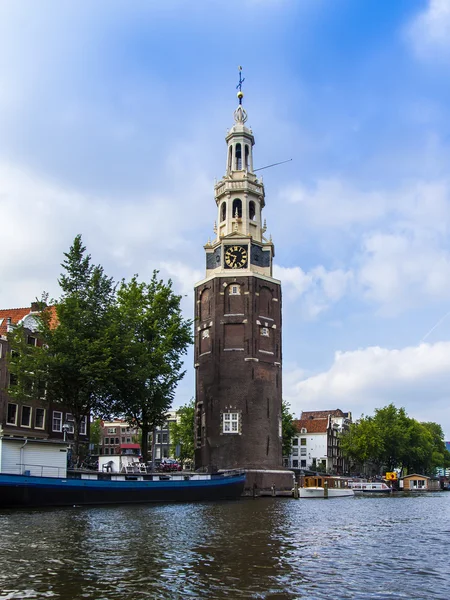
(269, 482)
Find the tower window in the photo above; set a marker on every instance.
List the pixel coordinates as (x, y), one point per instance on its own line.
(238, 158)
(230, 422)
(247, 153)
(265, 332)
(235, 290)
(251, 210)
(237, 209)
(223, 211)
(230, 158)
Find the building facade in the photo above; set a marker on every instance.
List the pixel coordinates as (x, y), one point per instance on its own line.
(30, 418)
(238, 324)
(317, 445)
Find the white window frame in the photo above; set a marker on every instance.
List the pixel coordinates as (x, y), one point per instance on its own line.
(265, 332)
(83, 426)
(111, 430)
(231, 422)
(205, 334)
(43, 417)
(70, 421)
(60, 419)
(30, 419)
(234, 289)
(15, 414)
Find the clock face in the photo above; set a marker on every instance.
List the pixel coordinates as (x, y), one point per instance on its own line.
(236, 257)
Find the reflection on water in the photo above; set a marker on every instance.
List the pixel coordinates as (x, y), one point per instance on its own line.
(265, 548)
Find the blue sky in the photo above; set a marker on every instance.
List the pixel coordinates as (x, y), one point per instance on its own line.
(112, 123)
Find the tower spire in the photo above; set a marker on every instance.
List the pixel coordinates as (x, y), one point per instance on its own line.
(240, 93)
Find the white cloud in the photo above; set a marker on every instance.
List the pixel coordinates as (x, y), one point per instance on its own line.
(416, 377)
(399, 271)
(41, 219)
(316, 290)
(429, 32)
(334, 203)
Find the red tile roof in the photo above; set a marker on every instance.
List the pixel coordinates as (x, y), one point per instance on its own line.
(17, 314)
(311, 425)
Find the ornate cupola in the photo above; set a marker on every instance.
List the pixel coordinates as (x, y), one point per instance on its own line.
(239, 198)
(238, 323)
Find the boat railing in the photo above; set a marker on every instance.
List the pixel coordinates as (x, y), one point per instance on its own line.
(30, 469)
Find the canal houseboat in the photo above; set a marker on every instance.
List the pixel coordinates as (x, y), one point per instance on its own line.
(324, 487)
(34, 473)
(369, 487)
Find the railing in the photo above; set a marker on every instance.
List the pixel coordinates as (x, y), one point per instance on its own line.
(28, 467)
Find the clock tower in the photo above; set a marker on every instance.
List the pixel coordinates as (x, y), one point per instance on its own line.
(238, 323)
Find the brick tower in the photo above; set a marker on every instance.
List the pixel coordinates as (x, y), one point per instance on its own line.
(238, 324)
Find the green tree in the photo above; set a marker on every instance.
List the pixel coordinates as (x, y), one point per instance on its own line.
(95, 433)
(391, 440)
(152, 337)
(182, 433)
(287, 427)
(75, 356)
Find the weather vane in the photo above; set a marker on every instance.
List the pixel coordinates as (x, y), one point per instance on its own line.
(240, 93)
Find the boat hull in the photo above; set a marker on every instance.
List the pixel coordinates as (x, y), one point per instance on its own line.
(319, 492)
(21, 491)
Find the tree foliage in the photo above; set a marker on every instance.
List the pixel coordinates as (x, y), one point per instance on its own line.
(104, 350)
(182, 433)
(74, 358)
(153, 337)
(287, 427)
(391, 440)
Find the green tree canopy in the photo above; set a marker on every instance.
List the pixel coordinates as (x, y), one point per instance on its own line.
(104, 350)
(288, 428)
(182, 433)
(392, 440)
(73, 361)
(152, 337)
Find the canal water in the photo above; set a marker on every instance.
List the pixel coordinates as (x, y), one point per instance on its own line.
(267, 548)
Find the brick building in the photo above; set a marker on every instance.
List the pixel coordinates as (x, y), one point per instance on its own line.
(238, 324)
(316, 445)
(32, 418)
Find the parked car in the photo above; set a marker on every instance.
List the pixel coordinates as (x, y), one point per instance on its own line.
(169, 464)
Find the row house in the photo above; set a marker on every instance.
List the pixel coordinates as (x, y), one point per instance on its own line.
(316, 446)
(31, 418)
(116, 436)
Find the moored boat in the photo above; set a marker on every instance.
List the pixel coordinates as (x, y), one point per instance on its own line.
(324, 487)
(20, 491)
(369, 487)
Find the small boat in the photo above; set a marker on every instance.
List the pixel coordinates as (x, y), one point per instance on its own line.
(92, 488)
(324, 487)
(369, 487)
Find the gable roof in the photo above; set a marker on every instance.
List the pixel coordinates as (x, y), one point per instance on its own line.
(311, 425)
(18, 314)
(323, 414)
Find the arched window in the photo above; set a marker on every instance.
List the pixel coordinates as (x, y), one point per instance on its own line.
(205, 304)
(247, 154)
(230, 158)
(223, 211)
(238, 157)
(251, 210)
(237, 209)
